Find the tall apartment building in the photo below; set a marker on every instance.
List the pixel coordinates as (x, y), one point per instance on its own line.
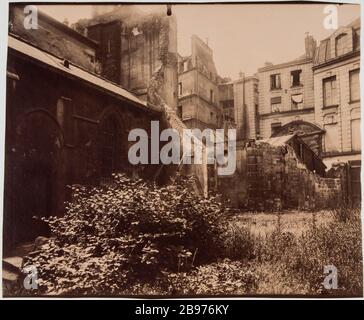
(239, 101)
(286, 99)
(336, 71)
(198, 101)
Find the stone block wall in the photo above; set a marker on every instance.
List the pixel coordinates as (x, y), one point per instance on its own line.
(271, 178)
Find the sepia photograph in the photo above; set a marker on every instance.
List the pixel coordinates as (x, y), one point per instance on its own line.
(182, 150)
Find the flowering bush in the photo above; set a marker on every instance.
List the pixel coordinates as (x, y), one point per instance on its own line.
(129, 230)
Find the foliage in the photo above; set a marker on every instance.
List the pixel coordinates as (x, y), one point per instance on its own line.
(136, 238)
(346, 212)
(224, 277)
(127, 230)
(301, 259)
(238, 242)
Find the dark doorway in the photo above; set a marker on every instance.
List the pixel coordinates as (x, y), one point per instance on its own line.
(36, 186)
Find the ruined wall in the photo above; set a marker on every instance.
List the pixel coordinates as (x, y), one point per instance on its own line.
(277, 179)
(156, 95)
(234, 187)
(272, 178)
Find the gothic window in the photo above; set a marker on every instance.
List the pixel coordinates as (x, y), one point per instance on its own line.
(109, 146)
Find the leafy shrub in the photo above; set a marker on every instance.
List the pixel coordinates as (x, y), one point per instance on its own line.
(224, 277)
(238, 242)
(129, 230)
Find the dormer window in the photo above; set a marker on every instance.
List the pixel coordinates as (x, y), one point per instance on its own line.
(341, 45)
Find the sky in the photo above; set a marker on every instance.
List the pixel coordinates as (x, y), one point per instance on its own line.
(242, 36)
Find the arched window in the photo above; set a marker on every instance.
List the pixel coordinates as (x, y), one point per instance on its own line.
(109, 146)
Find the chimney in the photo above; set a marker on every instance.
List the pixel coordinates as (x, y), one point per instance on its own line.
(268, 64)
(310, 45)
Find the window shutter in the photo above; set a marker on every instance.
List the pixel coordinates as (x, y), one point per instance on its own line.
(354, 85)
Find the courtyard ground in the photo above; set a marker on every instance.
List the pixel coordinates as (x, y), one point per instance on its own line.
(267, 254)
(294, 221)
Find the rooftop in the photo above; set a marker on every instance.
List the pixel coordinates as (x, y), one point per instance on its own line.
(73, 71)
(323, 53)
(278, 141)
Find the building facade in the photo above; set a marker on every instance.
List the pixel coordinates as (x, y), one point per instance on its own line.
(198, 94)
(73, 125)
(239, 102)
(71, 129)
(134, 48)
(336, 71)
(286, 99)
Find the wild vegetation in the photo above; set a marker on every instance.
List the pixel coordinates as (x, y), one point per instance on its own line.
(132, 237)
